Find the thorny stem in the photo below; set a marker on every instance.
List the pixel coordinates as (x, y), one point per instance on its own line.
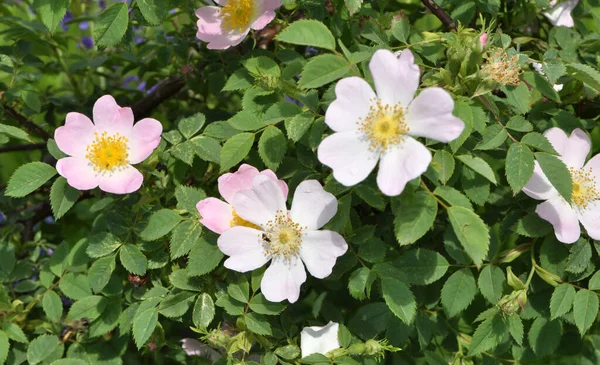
(440, 14)
(433, 195)
(23, 147)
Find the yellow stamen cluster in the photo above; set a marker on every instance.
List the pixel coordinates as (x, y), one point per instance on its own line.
(237, 14)
(108, 152)
(282, 236)
(239, 221)
(383, 126)
(585, 190)
(501, 68)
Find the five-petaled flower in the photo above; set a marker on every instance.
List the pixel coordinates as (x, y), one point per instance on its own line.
(218, 215)
(319, 340)
(289, 239)
(560, 14)
(585, 197)
(101, 153)
(228, 25)
(373, 127)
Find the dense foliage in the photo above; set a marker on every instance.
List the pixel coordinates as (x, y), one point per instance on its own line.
(463, 246)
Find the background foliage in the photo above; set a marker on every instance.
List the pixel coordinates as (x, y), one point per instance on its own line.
(458, 269)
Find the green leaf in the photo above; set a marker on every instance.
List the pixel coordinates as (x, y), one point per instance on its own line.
(519, 123)
(203, 258)
(28, 178)
(297, 126)
(472, 233)
(493, 137)
(539, 142)
(107, 321)
(579, 259)
(371, 195)
(102, 244)
(562, 300)
(100, 272)
(154, 11)
(585, 74)
(247, 120)
(4, 347)
(14, 332)
(272, 147)
(43, 347)
(353, 6)
(204, 311)
(422, 266)
(133, 260)
(443, 164)
(585, 309)
(184, 152)
(62, 197)
(184, 237)
(52, 305)
(187, 198)
(239, 290)
(89, 307)
(488, 335)
(52, 13)
(176, 305)
(544, 336)
(415, 217)
(452, 196)
(143, 326)
(111, 25)
(491, 283)
(458, 292)
(515, 327)
(479, 166)
(357, 283)
(519, 166)
(399, 299)
(262, 66)
(594, 283)
(261, 305)
(206, 148)
(70, 362)
(258, 324)
(75, 286)
(533, 226)
(322, 70)
(231, 306)
(239, 80)
(235, 149)
(307, 33)
(401, 29)
(14, 132)
(160, 224)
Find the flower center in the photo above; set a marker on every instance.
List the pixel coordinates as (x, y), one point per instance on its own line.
(501, 68)
(282, 236)
(237, 14)
(384, 125)
(239, 221)
(585, 190)
(108, 153)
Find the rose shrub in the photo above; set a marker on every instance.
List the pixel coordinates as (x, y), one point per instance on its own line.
(299, 182)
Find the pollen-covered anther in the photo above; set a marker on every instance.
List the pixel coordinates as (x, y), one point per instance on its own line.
(282, 236)
(585, 190)
(384, 126)
(108, 153)
(237, 14)
(501, 68)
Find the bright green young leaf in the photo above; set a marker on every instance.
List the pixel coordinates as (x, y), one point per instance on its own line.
(307, 33)
(235, 149)
(322, 70)
(258, 324)
(62, 197)
(153, 10)
(28, 178)
(479, 166)
(204, 311)
(52, 305)
(143, 325)
(52, 12)
(184, 237)
(272, 147)
(43, 347)
(160, 223)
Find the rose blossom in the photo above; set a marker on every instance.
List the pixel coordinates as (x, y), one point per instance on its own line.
(319, 340)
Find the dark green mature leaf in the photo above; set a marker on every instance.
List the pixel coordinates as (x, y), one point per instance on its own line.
(28, 178)
(422, 266)
(458, 292)
(519, 166)
(153, 10)
(557, 173)
(203, 258)
(414, 217)
(399, 299)
(519, 123)
(479, 166)
(585, 309)
(472, 233)
(42, 348)
(160, 223)
(133, 260)
(62, 197)
(143, 325)
(488, 335)
(52, 12)
(493, 137)
(52, 305)
(544, 336)
(562, 300)
(452, 196)
(515, 327)
(100, 272)
(594, 283)
(491, 283)
(261, 305)
(176, 305)
(14, 332)
(184, 237)
(235, 149)
(111, 25)
(258, 324)
(272, 147)
(89, 307)
(204, 311)
(75, 286)
(102, 244)
(323, 69)
(188, 197)
(585, 74)
(357, 283)
(401, 29)
(299, 125)
(539, 142)
(579, 259)
(307, 33)
(443, 164)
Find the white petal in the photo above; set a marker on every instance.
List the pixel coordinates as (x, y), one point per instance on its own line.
(594, 165)
(590, 218)
(539, 187)
(259, 204)
(282, 279)
(244, 247)
(319, 340)
(574, 149)
(560, 15)
(430, 115)
(562, 217)
(312, 207)
(353, 99)
(401, 164)
(348, 155)
(319, 251)
(194, 347)
(396, 78)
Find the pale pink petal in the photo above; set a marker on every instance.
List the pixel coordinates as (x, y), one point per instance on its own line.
(230, 40)
(430, 115)
(267, 14)
(144, 139)
(539, 187)
(396, 79)
(123, 181)
(111, 118)
(572, 150)
(244, 246)
(216, 214)
(349, 156)
(400, 164)
(78, 172)
(282, 279)
(210, 29)
(320, 250)
(282, 184)
(354, 97)
(260, 204)
(231, 183)
(564, 219)
(590, 218)
(75, 135)
(312, 207)
(319, 340)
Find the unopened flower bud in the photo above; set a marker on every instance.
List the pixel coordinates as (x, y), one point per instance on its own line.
(513, 280)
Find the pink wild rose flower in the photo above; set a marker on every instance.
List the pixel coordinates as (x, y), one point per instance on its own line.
(218, 215)
(228, 24)
(101, 153)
